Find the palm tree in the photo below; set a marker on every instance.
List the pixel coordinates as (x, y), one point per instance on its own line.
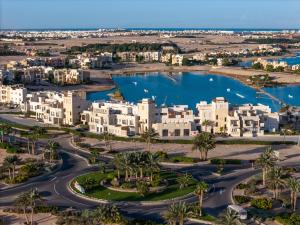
(107, 137)
(34, 197)
(152, 164)
(183, 211)
(23, 203)
(171, 215)
(205, 124)
(33, 138)
(266, 161)
(276, 180)
(118, 163)
(294, 186)
(184, 180)
(229, 217)
(5, 130)
(148, 136)
(52, 149)
(199, 191)
(126, 164)
(11, 162)
(203, 142)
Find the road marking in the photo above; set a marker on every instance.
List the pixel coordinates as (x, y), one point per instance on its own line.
(54, 186)
(53, 178)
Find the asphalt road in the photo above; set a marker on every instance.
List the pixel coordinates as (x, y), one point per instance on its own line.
(54, 189)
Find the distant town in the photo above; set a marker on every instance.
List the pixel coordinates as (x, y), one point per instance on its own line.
(78, 146)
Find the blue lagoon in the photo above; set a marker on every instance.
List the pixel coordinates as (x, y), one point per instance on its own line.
(191, 88)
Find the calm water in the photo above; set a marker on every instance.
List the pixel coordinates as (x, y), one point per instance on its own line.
(190, 88)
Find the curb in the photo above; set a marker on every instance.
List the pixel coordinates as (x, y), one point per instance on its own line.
(33, 179)
(135, 203)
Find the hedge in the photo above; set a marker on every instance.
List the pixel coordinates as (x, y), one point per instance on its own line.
(262, 203)
(218, 161)
(288, 219)
(241, 199)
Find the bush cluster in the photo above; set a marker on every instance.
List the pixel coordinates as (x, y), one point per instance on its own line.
(218, 161)
(262, 203)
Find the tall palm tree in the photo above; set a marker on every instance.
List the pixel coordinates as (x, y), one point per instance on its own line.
(5, 130)
(152, 164)
(126, 164)
(266, 161)
(52, 149)
(34, 197)
(203, 142)
(276, 180)
(171, 215)
(205, 124)
(148, 136)
(118, 163)
(11, 162)
(199, 191)
(183, 211)
(107, 137)
(23, 203)
(229, 217)
(294, 186)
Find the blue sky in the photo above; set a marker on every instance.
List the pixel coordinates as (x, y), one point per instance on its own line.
(15, 14)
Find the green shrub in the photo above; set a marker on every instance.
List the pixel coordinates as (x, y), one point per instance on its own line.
(241, 199)
(218, 161)
(46, 209)
(30, 169)
(96, 150)
(127, 185)
(182, 159)
(242, 186)
(262, 203)
(163, 156)
(142, 188)
(18, 179)
(287, 219)
(89, 183)
(156, 180)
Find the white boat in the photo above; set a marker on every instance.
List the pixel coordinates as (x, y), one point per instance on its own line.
(239, 95)
(211, 79)
(134, 82)
(291, 96)
(228, 90)
(153, 97)
(146, 91)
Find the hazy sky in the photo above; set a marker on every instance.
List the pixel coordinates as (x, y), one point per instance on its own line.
(149, 13)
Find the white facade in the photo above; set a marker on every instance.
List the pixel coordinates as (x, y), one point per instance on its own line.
(12, 94)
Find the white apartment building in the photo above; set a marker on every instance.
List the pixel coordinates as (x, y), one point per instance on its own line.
(252, 121)
(176, 121)
(296, 67)
(177, 59)
(125, 119)
(70, 76)
(216, 113)
(117, 118)
(12, 94)
(274, 63)
(56, 108)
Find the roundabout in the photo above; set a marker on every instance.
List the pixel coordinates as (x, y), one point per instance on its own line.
(98, 186)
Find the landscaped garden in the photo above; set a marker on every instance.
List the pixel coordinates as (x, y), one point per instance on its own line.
(22, 159)
(271, 195)
(137, 177)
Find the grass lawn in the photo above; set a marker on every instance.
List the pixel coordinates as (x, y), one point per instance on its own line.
(172, 191)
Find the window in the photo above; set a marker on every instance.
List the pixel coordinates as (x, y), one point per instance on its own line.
(165, 132)
(186, 132)
(217, 117)
(177, 132)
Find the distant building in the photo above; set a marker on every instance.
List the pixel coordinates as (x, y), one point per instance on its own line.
(12, 94)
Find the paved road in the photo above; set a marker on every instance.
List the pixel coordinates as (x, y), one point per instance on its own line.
(54, 187)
